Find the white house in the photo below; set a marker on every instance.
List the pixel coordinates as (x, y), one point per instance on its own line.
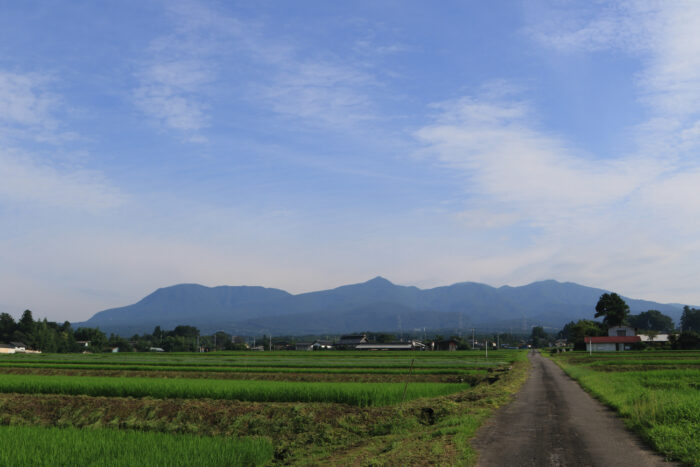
(7, 349)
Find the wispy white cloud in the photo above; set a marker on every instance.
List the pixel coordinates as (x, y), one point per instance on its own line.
(320, 92)
(663, 37)
(24, 101)
(28, 180)
(29, 112)
(168, 93)
(590, 219)
(182, 67)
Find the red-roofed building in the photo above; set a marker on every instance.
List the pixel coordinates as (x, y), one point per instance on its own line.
(610, 343)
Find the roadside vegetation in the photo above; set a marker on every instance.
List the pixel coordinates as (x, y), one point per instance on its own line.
(657, 393)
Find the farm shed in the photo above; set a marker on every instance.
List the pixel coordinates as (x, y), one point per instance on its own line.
(449, 344)
(6, 349)
(304, 346)
(350, 341)
(610, 343)
(19, 347)
(654, 337)
(412, 345)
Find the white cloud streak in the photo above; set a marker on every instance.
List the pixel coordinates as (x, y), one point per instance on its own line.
(29, 112)
(561, 213)
(27, 180)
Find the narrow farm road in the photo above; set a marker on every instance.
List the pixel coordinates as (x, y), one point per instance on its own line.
(553, 422)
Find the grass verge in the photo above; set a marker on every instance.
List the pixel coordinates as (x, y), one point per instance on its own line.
(662, 406)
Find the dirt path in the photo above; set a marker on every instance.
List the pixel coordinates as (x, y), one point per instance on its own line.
(553, 422)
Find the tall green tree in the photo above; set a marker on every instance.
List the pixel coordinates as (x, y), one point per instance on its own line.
(7, 327)
(690, 320)
(613, 309)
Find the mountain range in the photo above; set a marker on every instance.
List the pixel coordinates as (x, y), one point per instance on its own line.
(375, 305)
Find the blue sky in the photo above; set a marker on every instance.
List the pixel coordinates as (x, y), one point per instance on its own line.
(305, 145)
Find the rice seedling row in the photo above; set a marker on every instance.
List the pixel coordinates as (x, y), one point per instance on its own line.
(48, 447)
(361, 394)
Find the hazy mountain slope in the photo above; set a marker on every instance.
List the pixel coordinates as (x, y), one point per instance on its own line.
(376, 305)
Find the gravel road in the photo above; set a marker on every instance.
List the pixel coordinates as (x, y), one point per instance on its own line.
(553, 422)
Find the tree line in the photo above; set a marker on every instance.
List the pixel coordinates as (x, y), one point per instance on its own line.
(48, 336)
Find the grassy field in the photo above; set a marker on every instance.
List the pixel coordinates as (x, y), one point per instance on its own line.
(656, 393)
(298, 408)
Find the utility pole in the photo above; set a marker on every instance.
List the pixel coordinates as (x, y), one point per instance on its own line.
(472, 338)
(486, 346)
(270, 342)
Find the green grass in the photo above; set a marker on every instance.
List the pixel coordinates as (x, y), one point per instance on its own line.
(39, 447)
(662, 405)
(362, 394)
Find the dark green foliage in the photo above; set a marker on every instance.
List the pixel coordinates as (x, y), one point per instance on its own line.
(574, 332)
(690, 320)
(612, 308)
(652, 320)
(687, 340)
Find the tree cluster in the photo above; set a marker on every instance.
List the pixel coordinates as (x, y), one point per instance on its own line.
(652, 320)
(43, 335)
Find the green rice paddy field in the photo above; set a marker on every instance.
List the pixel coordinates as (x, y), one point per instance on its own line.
(656, 393)
(250, 408)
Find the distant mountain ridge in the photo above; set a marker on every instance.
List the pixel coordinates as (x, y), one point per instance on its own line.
(375, 305)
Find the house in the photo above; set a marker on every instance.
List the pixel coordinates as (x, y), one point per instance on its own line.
(304, 346)
(7, 349)
(610, 343)
(621, 331)
(83, 343)
(350, 341)
(450, 345)
(19, 347)
(155, 349)
(411, 345)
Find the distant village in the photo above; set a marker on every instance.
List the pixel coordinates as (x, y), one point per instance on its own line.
(618, 331)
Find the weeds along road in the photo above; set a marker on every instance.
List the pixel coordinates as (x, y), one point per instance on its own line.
(553, 422)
